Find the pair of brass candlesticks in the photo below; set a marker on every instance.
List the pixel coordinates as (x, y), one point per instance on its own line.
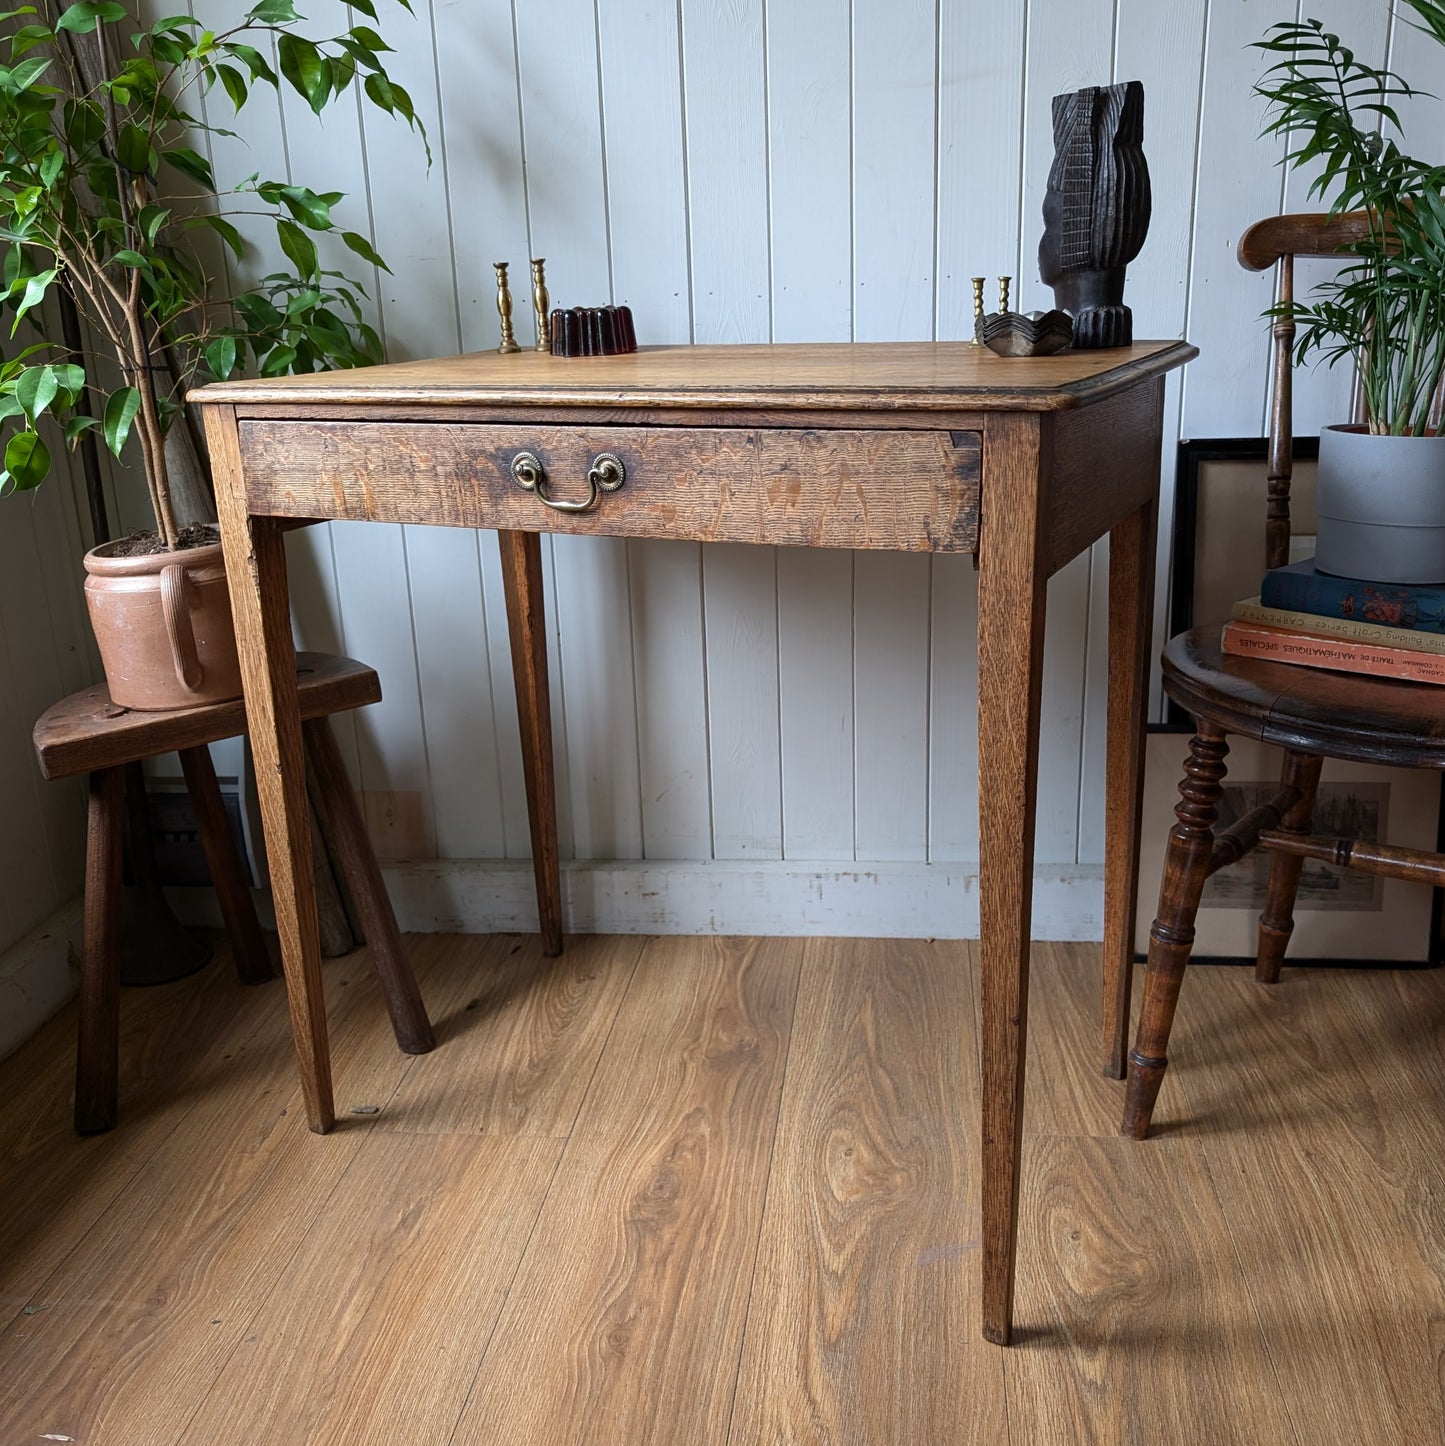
(540, 303)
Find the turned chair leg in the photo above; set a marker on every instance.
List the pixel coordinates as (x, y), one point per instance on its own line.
(97, 1056)
(409, 1019)
(1171, 939)
(248, 943)
(1276, 923)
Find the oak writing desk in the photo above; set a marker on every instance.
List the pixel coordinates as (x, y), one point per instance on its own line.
(918, 447)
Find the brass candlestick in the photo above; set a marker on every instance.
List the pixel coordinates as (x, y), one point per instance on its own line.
(504, 308)
(977, 297)
(541, 302)
(1003, 285)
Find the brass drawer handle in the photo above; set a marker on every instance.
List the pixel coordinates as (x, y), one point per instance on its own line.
(606, 474)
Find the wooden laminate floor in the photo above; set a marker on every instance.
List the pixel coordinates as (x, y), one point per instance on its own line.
(685, 1191)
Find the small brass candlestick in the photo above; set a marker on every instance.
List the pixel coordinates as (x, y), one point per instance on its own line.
(1003, 285)
(504, 309)
(977, 305)
(541, 302)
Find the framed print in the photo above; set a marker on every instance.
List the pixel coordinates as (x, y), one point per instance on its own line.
(1220, 492)
(1341, 915)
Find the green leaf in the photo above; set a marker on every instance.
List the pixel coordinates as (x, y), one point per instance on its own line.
(75, 426)
(303, 66)
(307, 207)
(133, 150)
(120, 410)
(23, 76)
(132, 259)
(221, 357)
(150, 221)
(364, 249)
(83, 17)
(298, 246)
(254, 61)
(188, 163)
(224, 229)
(27, 460)
(35, 289)
(83, 124)
(235, 84)
(35, 390)
(365, 6)
(369, 38)
(273, 12)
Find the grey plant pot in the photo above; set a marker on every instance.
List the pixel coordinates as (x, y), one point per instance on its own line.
(1381, 507)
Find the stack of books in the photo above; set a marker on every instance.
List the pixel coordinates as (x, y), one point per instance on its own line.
(1318, 620)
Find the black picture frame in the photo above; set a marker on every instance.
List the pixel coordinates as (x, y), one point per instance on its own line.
(1219, 513)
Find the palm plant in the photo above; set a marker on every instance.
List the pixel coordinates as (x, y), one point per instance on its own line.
(104, 194)
(1385, 309)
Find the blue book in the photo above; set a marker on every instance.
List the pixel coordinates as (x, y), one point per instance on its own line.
(1300, 588)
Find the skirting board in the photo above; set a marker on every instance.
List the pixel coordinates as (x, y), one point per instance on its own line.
(891, 901)
(37, 978)
(901, 901)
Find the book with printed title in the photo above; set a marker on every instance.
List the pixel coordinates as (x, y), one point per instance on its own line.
(1251, 610)
(1250, 640)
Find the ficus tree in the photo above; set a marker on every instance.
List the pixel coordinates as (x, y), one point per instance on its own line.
(105, 192)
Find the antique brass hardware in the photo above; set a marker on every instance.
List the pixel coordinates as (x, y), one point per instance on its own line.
(606, 474)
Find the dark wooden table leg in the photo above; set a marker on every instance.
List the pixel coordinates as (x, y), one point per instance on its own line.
(260, 605)
(1131, 605)
(409, 1019)
(522, 581)
(1012, 574)
(97, 1052)
(248, 942)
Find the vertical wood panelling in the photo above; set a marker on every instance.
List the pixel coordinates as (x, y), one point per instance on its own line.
(1069, 45)
(736, 170)
(980, 98)
(1239, 181)
(742, 681)
(810, 169)
(639, 51)
(894, 221)
(1148, 45)
(567, 206)
(815, 685)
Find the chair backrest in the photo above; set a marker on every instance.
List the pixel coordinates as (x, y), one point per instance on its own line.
(1277, 241)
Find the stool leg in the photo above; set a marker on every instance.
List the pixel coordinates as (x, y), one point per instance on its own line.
(1276, 923)
(358, 861)
(98, 1049)
(1171, 939)
(248, 943)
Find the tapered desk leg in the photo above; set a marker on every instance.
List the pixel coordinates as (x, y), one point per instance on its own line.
(526, 624)
(1012, 574)
(260, 605)
(1131, 597)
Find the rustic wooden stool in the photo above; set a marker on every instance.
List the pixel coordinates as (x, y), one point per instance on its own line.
(87, 733)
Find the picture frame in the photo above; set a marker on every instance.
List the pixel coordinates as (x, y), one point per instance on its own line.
(1342, 917)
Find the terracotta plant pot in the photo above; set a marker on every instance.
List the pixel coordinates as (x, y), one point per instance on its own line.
(163, 623)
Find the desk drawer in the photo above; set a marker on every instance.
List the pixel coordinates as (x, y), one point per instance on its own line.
(904, 490)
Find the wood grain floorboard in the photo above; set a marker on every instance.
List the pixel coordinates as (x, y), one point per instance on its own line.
(54, 1184)
(1133, 1323)
(863, 1326)
(1270, 1268)
(132, 1328)
(1319, 1116)
(625, 1319)
(375, 1329)
(522, 1035)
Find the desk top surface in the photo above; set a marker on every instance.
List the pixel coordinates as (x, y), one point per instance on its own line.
(932, 376)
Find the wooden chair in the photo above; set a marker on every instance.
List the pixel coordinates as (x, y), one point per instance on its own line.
(1311, 714)
(87, 733)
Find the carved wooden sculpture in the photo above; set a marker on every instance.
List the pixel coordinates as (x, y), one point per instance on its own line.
(1096, 208)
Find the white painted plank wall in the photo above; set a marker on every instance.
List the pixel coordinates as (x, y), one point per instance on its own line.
(745, 170)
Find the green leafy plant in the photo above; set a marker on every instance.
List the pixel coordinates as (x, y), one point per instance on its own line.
(1385, 310)
(103, 193)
